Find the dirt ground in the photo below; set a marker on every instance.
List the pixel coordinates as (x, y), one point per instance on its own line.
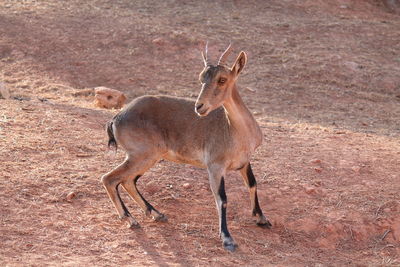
(322, 80)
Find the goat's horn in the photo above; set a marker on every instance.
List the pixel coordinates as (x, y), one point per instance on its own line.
(224, 56)
(205, 56)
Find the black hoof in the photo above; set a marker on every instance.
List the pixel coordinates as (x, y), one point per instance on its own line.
(265, 224)
(231, 247)
(130, 221)
(161, 218)
(133, 226)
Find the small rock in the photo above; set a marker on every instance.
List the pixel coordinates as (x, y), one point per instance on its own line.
(316, 161)
(356, 169)
(353, 66)
(70, 196)
(251, 89)
(4, 92)
(186, 185)
(319, 170)
(310, 190)
(285, 188)
(387, 210)
(109, 98)
(158, 41)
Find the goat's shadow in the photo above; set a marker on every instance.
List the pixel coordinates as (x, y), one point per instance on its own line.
(141, 237)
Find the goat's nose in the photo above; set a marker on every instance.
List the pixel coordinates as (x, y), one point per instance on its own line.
(199, 106)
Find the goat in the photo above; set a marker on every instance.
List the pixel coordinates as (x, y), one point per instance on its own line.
(217, 132)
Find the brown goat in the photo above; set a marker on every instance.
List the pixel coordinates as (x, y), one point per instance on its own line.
(217, 132)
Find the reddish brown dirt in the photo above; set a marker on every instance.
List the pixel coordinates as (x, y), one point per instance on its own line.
(324, 85)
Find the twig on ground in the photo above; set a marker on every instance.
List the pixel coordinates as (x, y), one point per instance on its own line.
(385, 234)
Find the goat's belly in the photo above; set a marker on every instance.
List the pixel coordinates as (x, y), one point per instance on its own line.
(192, 158)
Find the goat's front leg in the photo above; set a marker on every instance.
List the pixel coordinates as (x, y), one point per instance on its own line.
(217, 183)
(251, 183)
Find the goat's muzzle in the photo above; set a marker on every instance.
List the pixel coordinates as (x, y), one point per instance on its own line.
(201, 109)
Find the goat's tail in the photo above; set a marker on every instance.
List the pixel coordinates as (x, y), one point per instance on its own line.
(110, 132)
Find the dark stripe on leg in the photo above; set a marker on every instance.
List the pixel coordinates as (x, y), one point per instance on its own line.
(222, 195)
(257, 209)
(250, 176)
(252, 183)
(148, 205)
(221, 190)
(122, 203)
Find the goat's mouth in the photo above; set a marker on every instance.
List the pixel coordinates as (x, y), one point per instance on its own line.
(202, 110)
(203, 113)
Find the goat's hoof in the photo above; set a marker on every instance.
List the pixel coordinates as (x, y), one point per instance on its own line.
(160, 218)
(134, 226)
(131, 223)
(267, 225)
(230, 246)
(263, 222)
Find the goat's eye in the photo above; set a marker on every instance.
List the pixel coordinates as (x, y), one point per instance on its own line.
(221, 80)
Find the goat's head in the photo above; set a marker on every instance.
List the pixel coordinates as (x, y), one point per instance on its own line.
(217, 81)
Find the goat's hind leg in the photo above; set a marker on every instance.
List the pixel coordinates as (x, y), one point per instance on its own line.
(251, 183)
(111, 182)
(130, 187)
(127, 175)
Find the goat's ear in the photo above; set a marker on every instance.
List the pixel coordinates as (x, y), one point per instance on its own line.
(239, 63)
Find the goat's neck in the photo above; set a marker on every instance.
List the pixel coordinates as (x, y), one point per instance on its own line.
(242, 122)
